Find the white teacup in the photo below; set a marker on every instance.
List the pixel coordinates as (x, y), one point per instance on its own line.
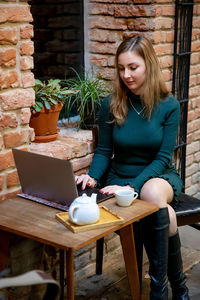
(125, 197)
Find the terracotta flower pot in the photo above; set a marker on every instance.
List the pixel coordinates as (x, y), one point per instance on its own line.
(45, 123)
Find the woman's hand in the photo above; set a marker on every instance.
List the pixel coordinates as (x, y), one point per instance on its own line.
(111, 189)
(85, 180)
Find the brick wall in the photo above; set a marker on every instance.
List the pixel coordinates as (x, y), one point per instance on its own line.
(16, 93)
(57, 38)
(193, 148)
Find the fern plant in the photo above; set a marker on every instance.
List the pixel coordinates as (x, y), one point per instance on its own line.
(88, 94)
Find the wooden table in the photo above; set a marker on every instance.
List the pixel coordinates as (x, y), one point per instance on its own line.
(37, 222)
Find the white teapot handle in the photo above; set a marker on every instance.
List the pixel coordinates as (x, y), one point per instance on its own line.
(72, 211)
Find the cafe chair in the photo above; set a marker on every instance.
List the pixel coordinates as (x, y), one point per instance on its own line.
(33, 277)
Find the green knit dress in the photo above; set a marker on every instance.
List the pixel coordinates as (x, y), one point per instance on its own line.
(139, 149)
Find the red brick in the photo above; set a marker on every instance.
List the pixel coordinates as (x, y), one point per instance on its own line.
(26, 63)
(16, 138)
(8, 35)
(189, 138)
(164, 23)
(164, 49)
(195, 58)
(141, 24)
(7, 57)
(144, 1)
(103, 35)
(197, 112)
(193, 126)
(163, 1)
(163, 36)
(107, 73)
(194, 91)
(195, 46)
(195, 33)
(12, 179)
(25, 116)
(8, 194)
(1, 182)
(28, 79)
(102, 60)
(26, 31)
(32, 134)
(101, 9)
(122, 10)
(169, 36)
(165, 10)
(6, 160)
(26, 48)
(8, 79)
(193, 80)
(8, 121)
(146, 34)
(194, 69)
(18, 13)
(191, 115)
(108, 22)
(166, 61)
(195, 22)
(1, 142)
(166, 75)
(105, 48)
(82, 163)
(55, 149)
(17, 98)
(112, 1)
(134, 10)
(99, 60)
(197, 135)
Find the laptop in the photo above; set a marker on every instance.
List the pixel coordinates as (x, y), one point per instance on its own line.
(49, 181)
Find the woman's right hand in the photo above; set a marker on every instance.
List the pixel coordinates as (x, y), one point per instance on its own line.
(85, 180)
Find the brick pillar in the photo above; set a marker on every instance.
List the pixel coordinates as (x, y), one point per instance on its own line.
(16, 93)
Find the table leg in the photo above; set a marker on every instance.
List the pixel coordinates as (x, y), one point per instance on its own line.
(62, 273)
(4, 248)
(129, 252)
(70, 274)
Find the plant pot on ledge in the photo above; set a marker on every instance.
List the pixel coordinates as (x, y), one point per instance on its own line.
(45, 112)
(45, 123)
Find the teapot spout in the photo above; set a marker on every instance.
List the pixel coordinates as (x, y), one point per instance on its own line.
(94, 197)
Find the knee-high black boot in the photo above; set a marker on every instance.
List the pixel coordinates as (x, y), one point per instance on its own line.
(156, 232)
(176, 276)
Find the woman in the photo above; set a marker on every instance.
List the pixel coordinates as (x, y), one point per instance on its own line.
(137, 133)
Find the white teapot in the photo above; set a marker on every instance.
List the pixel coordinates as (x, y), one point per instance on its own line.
(84, 210)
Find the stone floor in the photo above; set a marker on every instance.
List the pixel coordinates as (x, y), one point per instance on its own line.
(113, 285)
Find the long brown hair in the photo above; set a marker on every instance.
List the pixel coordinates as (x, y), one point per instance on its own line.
(154, 85)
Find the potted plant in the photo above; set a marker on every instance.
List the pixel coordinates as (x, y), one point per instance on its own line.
(49, 99)
(87, 97)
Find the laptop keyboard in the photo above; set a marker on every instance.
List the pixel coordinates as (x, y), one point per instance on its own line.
(100, 197)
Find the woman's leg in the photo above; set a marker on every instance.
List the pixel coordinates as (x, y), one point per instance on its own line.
(156, 231)
(159, 191)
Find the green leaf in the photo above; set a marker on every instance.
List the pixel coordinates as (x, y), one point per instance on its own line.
(47, 105)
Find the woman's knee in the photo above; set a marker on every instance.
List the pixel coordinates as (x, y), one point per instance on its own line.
(157, 191)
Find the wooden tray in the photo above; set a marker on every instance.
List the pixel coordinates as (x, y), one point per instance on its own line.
(107, 218)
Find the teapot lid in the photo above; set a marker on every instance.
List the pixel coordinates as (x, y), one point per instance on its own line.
(84, 198)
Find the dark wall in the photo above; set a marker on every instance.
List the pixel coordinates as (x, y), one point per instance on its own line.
(58, 37)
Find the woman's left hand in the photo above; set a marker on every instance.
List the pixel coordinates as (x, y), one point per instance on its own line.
(111, 189)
